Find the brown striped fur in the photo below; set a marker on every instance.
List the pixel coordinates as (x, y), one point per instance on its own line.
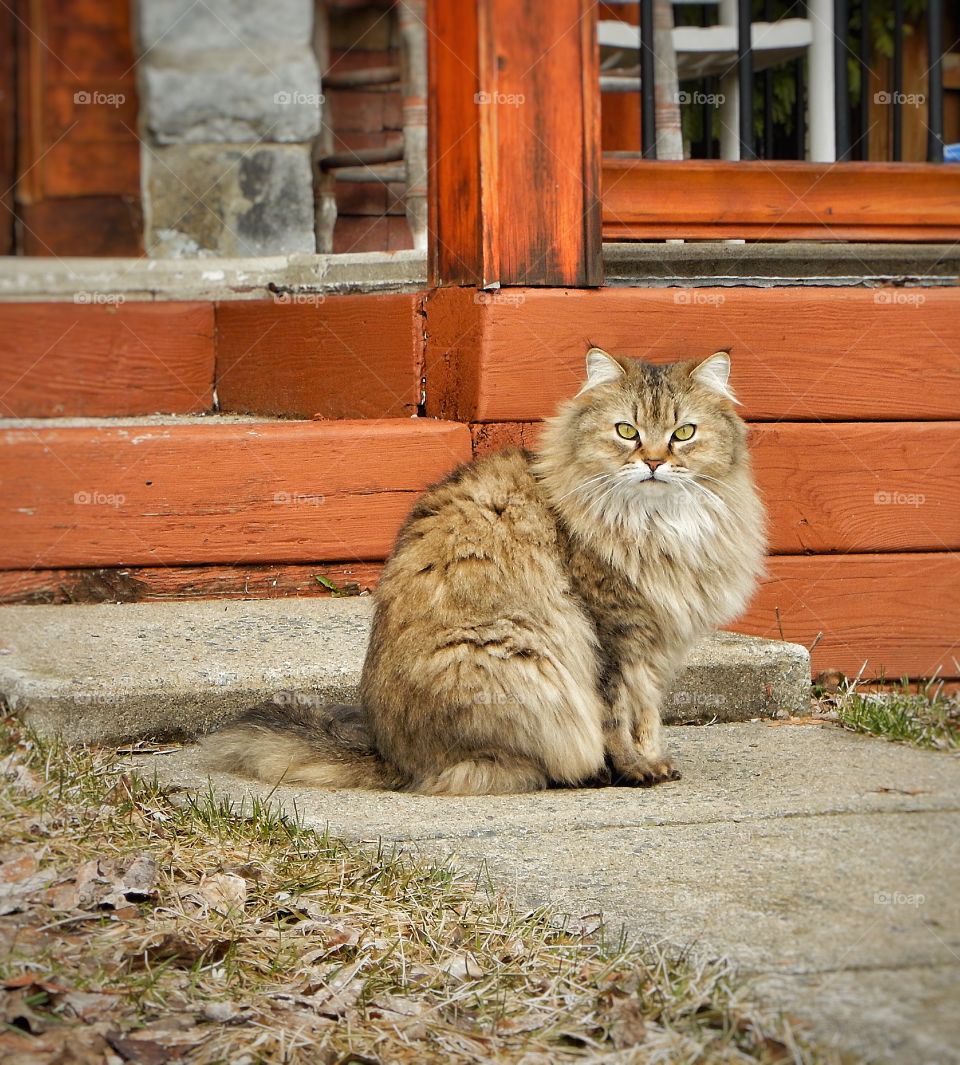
(535, 608)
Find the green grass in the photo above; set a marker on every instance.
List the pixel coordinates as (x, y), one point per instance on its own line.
(259, 940)
(924, 717)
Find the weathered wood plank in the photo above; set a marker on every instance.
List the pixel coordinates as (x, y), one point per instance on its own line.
(899, 614)
(693, 198)
(817, 354)
(312, 355)
(237, 493)
(141, 584)
(837, 487)
(102, 358)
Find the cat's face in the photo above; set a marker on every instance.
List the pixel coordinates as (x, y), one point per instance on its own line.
(643, 433)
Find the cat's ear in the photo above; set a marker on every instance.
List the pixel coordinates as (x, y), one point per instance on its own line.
(714, 373)
(601, 368)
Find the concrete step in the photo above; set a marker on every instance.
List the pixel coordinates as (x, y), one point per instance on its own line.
(110, 673)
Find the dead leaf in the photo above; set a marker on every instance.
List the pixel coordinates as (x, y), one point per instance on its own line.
(335, 935)
(223, 892)
(111, 883)
(462, 966)
(901, 791)
(139, 1051)
(224, 1013)
(19, 776)
(20, 878)
(627, 1026)
(29, 980)
(27, 1007)
(180, 951)
(404, 1014)
(88, 1005)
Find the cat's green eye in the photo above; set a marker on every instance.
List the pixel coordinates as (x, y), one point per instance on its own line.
(626, 431)
(684, 432)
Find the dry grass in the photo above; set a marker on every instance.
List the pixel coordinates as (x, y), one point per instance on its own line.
(142, 926)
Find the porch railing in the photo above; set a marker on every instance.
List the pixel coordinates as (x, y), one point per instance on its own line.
(827, 124)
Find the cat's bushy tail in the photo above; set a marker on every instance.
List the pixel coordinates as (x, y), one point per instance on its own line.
(289, 740)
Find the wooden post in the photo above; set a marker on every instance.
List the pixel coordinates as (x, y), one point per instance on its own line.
(514, 189)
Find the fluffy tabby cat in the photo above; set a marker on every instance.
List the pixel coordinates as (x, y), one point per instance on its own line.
(535, 607)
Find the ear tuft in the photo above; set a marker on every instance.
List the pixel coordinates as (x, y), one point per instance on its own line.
(714, 374)
(601, 368)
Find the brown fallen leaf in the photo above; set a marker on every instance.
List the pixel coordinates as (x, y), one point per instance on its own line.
(627, 1026)
(139, 1051)
(111, 883)
(223, 892)
(180, 951)
(27, 1007)
(462, 966)
(88, 1005)
(20, 880)
(902, 791)
(19, 776)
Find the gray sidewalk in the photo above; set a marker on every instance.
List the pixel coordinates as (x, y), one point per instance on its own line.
(826, 865)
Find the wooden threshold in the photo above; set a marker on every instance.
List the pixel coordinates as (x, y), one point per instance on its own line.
(700, 199)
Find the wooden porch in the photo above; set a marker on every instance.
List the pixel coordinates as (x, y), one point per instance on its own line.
(298, 428)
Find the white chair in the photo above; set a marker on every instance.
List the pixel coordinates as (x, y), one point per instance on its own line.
(691, 52)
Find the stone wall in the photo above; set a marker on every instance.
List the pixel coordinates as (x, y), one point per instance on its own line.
(230, 106)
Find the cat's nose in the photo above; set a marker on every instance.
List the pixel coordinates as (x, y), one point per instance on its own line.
(654, 464)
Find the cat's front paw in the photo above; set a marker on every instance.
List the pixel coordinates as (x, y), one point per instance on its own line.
(645, 772)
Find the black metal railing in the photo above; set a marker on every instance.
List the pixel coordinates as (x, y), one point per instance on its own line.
(849, 115)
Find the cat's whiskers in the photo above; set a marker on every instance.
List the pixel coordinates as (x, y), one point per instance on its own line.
(580, 487)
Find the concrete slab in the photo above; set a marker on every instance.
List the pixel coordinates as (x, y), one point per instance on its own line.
(260, 277)
(108, 672)
(825, 864)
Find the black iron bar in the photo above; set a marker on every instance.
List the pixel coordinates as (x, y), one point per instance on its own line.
(648, 99)
(841, 87)
(935, 83)
(745, 79)
(897, 97)
(767, 95)
(799, 111)
(865, 59)
(712, 88)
